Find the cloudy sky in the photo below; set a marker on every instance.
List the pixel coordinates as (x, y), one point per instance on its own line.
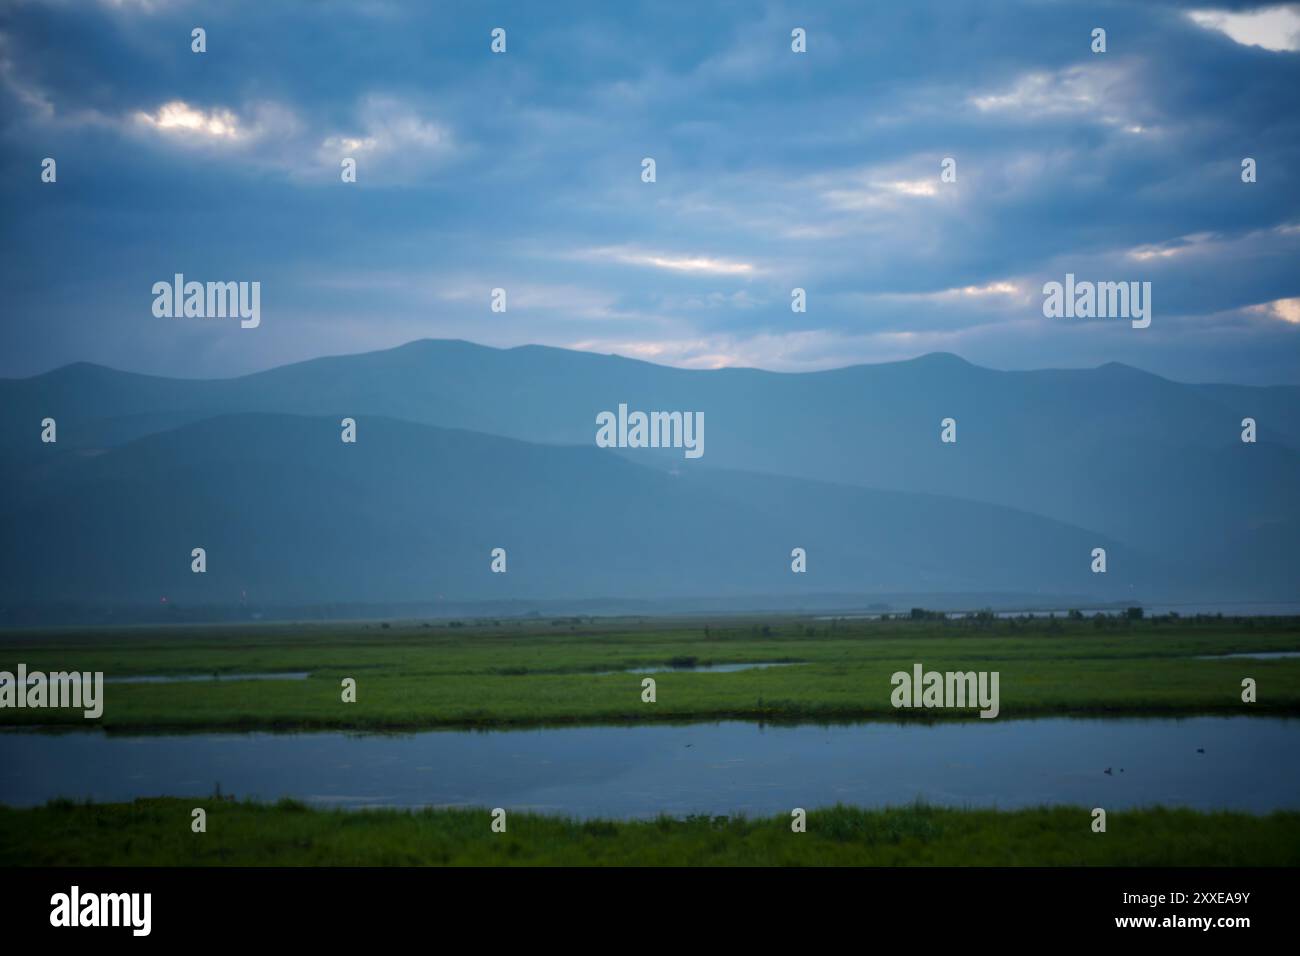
(775, 170)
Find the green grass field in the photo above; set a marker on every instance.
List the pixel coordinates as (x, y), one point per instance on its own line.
(413, 675)
(157, 833)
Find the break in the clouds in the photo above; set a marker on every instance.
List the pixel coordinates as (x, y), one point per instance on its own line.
(1270, 27)
(773, 171)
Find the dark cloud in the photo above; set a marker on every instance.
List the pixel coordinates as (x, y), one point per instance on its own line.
(523, 171)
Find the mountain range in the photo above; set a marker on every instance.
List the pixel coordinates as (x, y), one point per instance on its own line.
(463, 448)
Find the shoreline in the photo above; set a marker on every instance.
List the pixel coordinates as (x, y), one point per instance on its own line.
(821, 718)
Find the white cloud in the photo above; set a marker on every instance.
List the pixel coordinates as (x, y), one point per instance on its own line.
(1098, 90)
(673, 263)
(879, 193)
(1285, 310)
(1272, 28)
(178, 118)
(409, 141)
(992, 288)
(391, 123)
(877, 187)
(1006, 288)
(1172, 249)
(804, 350)
(348, 145)
(765, 350)
(684, 353)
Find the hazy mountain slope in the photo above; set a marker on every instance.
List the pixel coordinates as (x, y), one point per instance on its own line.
(1154, 463)
(290, 515)
(538, 393)
(1276, 407)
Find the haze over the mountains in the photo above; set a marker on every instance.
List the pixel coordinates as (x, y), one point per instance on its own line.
(462, 448)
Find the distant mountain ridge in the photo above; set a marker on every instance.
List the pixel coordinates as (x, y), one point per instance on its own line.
(1152, 469)
(288, 514)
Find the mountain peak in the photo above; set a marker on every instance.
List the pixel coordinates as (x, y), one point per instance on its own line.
(1130, 371)
(943, 358)
(77, 371)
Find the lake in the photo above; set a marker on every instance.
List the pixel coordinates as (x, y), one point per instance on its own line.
(1250, 764)
(700, 668)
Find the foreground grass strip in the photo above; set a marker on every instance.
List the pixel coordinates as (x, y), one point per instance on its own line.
(417, 676)
(156, 832)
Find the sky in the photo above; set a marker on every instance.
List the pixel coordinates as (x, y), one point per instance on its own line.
(774, 170)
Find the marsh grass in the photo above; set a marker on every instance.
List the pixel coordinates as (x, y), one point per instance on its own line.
(156, 832)
(412, 676)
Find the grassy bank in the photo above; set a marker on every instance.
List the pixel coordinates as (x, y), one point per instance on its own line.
(157, 832)
(412, 675)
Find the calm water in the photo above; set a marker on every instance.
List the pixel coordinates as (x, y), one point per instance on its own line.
(1249, 764)
(702, 668)
(1262, 609)
(1257, 655)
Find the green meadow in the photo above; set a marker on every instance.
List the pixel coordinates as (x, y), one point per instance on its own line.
(156, 832)
(414, 674)
(421, 674)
